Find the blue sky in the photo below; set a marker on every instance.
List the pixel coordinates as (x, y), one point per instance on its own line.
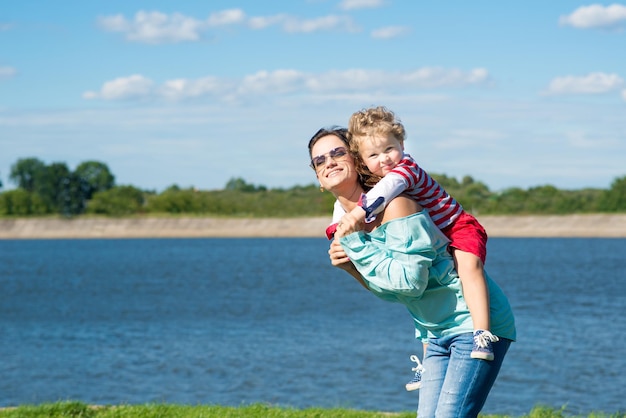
(194, 93)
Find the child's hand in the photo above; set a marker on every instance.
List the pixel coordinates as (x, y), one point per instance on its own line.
(358, 214)
(350, 222)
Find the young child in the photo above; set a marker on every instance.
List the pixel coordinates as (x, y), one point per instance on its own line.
(377, 140)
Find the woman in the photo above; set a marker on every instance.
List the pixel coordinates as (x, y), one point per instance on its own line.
(403, 257)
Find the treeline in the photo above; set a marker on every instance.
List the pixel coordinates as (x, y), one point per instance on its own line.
(90, 189)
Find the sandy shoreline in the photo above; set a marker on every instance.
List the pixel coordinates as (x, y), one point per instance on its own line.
(595, 225)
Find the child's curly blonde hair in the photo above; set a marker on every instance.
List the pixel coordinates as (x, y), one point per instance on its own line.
(368, 123)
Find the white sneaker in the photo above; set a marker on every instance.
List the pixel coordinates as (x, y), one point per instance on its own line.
(482, 345)
(416, 382)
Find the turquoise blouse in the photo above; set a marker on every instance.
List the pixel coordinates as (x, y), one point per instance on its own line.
(406, 260)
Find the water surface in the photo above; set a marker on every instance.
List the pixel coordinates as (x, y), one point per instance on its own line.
(232, 321)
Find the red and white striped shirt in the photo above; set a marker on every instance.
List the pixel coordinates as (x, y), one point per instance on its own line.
(409, 178)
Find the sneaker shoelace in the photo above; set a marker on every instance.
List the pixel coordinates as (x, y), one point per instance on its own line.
(419, 368)
(482, 339)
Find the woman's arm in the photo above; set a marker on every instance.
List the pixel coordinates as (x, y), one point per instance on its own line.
(396, 259)
(338, 258)
(399, 207)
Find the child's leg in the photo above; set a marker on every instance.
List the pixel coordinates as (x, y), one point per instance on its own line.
(471, 273)
(470, 269)
(468, 245)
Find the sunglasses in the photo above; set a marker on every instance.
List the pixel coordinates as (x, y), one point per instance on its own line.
(320, 161)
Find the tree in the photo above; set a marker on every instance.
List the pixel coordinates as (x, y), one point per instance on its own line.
(96, 177)
(25, 172)
(60, 189)
(543, 199)
(467, 181)
(240, 185)
(177, 200)
(172, 188)
(474, 195)
(48, 183)
(19, 202)
(71, 198)
(614, 199)
(509, 201)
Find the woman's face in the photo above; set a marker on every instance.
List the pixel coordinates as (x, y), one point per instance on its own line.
(333, 168)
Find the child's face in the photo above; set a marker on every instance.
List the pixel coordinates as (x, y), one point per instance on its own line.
(381, 153)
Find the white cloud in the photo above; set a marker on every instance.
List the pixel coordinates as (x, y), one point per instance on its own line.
(596, 16)
(227, 17)
(584, 140)
(390, 32)
(324, 23)
(624, 95)
(155, 27)
(275, 82)
(4, 26)
(123, 88)
(383, 81)
(7, 72)
(180, 89)
(292, 24)
(360, 4)
(435, 77)
(593, 83)
(287, 81)
(262, 22)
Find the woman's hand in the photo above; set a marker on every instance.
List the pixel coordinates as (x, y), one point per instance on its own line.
(338, 256)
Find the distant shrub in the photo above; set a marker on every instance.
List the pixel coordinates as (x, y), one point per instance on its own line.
(118, 201)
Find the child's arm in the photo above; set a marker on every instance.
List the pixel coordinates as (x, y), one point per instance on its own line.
(375, 201)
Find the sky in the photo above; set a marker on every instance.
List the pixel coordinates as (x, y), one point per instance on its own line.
(195, 93)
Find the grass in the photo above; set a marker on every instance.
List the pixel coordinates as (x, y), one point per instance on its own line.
(82, 410)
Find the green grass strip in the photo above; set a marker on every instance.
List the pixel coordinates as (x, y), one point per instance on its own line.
(82, 410)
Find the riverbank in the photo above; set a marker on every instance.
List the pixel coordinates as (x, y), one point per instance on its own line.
(593, 225)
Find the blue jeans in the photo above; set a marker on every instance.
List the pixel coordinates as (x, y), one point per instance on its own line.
(453, 383)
